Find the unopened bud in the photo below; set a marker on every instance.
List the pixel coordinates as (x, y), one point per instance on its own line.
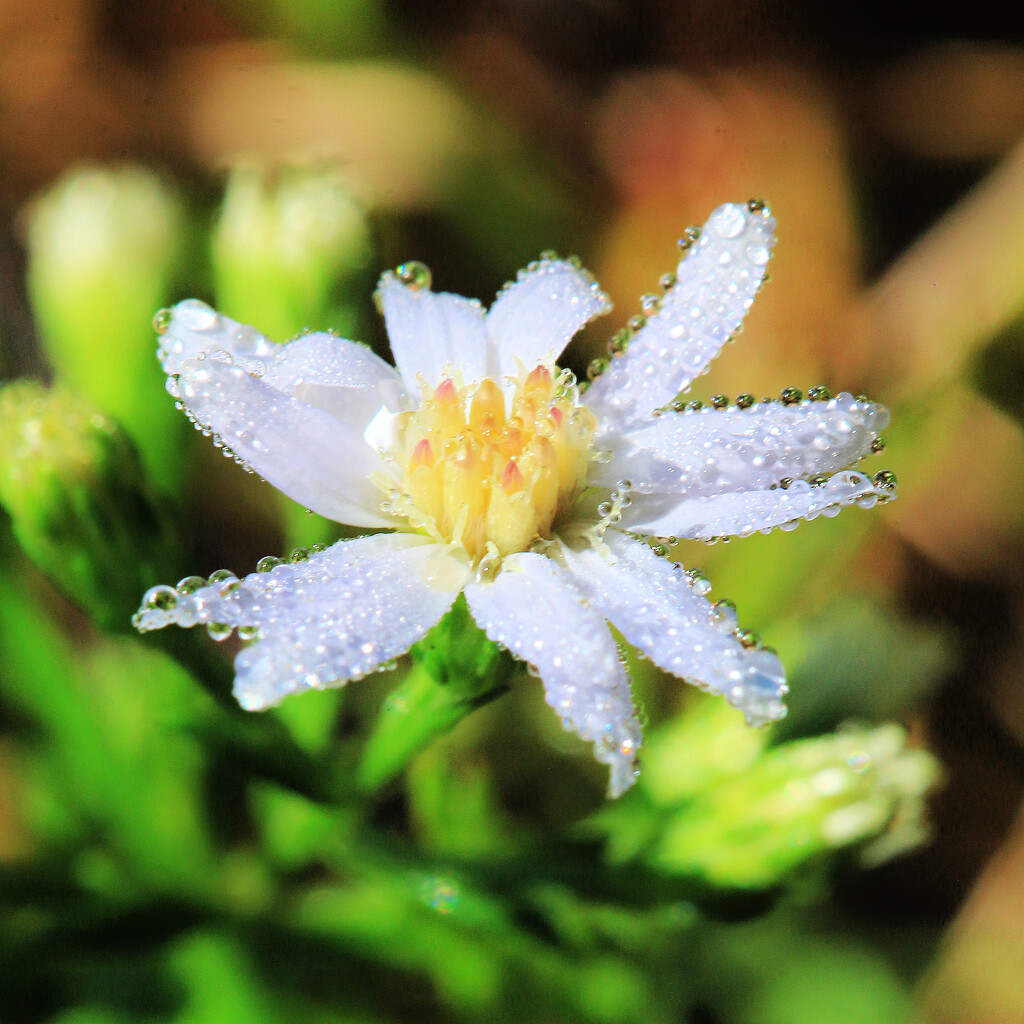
(694, 750)
(72, 484)
(285, 246)
(860, 787)
(104, 246)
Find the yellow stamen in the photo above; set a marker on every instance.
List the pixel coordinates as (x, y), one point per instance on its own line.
(511, 478)
(487, 411)
(487, 480)
(422, 455)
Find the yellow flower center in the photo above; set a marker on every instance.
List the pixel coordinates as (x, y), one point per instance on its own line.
(489, 479)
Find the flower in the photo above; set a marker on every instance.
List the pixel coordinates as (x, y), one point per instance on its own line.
(498, 480)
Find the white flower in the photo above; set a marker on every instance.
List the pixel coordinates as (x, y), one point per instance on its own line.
(499, 481)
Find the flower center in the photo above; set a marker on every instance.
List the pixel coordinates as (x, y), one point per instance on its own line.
(487, 478)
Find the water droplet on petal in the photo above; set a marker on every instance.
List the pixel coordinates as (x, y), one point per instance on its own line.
(189, 585)
(219, 631)
(198, 316)
(414, 275)
(728, 221)
(162, 320)
(161, 598)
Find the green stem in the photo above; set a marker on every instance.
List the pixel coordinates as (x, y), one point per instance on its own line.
(412, 715)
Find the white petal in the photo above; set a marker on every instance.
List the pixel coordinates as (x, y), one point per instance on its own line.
(346, 380)
(431, 331)
(366, 603)
(716, 450)
(314, 459)
(650, 601)
(195, 331)
(534, 318)
(716, 282)
(534, 611)
(336, 617)
(742, 513)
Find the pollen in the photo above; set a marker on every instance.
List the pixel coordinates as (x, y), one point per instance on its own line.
(492, 470)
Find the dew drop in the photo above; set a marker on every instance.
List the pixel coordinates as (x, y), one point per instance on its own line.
(690, 236)
(749, 638)
(728, 221)
(198, 316)
(160, 598)
(414, 275)
(162, 320)
(189, 585)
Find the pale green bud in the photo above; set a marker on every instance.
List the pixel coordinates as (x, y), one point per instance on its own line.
(104, 246)
(284, 248)
(860, 787)
(71, 482)
(695, 749)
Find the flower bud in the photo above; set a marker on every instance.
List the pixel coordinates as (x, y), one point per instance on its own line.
(71, 481)
(104, 246)
(285, 245)
(693, 751)
(860, 787)
(287, 252)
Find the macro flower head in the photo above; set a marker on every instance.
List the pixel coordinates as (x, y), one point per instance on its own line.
(498, 477)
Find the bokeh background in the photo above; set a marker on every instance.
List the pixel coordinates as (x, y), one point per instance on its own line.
(165, 858)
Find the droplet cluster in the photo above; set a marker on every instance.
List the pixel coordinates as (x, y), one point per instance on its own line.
(192, 330)
(318, 619)
(716, 281)
(749, 446)
(661, 609)
(584, 679)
